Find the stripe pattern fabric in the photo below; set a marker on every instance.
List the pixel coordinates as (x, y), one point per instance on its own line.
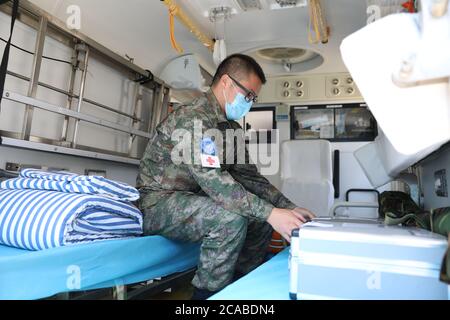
(42, 210)
(39, 219)
(71, 183)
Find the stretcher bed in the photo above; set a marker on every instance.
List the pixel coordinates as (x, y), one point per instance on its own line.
(270, 281)
(39, 274)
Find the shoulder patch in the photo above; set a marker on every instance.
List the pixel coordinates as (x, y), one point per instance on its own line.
(207, 146)
(209, 153)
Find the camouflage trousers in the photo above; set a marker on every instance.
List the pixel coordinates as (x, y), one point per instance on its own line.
(230, 243)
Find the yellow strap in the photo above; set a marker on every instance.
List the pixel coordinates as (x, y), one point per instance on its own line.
(313, 21)
(321, 23)
(173, 41)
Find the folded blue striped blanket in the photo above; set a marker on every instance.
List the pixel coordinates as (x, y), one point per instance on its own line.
(41, 210)
(72, 183)
(41, 219)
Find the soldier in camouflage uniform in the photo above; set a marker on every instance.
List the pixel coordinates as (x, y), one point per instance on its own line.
(231, 209)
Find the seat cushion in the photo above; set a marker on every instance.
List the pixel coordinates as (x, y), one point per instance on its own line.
(316, 196)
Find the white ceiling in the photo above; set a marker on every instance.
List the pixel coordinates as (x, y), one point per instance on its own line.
(140, 28)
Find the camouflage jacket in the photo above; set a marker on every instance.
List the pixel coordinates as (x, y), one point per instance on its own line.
(236, 187)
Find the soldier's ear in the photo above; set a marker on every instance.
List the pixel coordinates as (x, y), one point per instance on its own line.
(225, 80)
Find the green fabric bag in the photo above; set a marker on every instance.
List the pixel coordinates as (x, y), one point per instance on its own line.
(397, 203)
(445, 269)
(441, 224)
(398, 208)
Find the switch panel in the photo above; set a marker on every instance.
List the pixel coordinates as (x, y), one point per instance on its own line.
(341, 86)
(282, 112)
(16, 167)
(310, 88)
(292, 89)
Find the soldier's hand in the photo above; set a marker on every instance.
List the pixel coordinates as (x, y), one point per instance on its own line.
(284, 221)
(304, 214)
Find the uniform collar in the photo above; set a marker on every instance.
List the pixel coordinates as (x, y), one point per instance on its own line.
(220, 115)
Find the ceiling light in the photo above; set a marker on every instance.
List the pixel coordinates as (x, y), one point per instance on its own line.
(219, 13)
(250, 4)
(285, 4)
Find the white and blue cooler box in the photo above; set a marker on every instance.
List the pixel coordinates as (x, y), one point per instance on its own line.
(338, 259)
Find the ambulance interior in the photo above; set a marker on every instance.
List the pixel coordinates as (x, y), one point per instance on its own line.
(356, 104)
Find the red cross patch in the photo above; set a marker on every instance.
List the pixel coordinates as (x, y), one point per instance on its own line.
(209, 161)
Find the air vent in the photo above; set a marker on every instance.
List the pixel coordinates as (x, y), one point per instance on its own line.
(247, 5)
(286, 54)
(285, 4)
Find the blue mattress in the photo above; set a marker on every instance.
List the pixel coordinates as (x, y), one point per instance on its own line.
(39, 274)
(270, 281)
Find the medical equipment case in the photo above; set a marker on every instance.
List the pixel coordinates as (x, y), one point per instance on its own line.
(365, 259)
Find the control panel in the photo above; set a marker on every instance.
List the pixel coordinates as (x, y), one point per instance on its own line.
(292, 88)
(340, 86)
(315, 87)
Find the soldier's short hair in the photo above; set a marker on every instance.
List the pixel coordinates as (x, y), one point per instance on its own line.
(239, 66)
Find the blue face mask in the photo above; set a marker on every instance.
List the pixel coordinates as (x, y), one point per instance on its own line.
(238, 108)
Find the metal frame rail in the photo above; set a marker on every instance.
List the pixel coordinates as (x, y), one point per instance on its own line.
(139, 291)
(83, 46)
